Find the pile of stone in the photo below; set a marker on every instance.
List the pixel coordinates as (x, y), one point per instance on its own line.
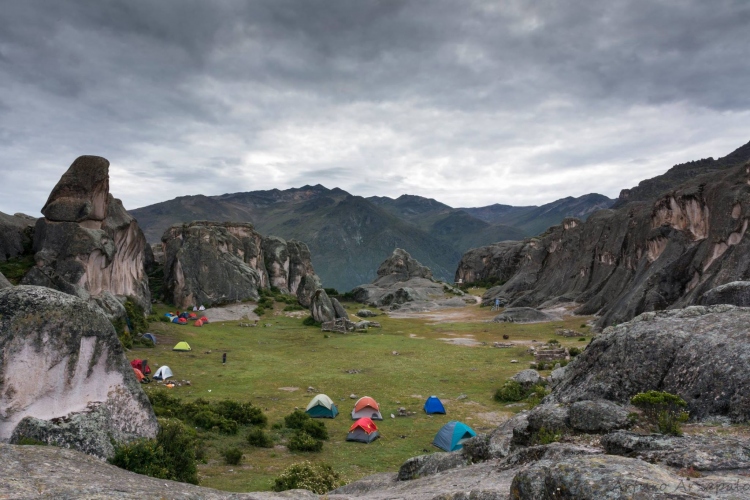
(567, 333)
(550, 354)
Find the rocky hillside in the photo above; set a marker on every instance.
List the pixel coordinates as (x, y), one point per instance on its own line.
(350, 235)
(643, 256)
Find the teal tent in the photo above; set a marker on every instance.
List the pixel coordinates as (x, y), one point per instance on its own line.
(322, 406)
(452, 435)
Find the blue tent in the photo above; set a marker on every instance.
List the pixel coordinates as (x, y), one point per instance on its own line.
(176, 319)
(452, 435)
(150, 336)
(433, 405)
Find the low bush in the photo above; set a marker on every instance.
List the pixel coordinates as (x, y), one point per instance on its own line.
(232, 456)
(170, 456)
(553, 341)
(296, 419)
(242, 413)
(316, 429)
(582, 339)
(664, 411)
(260, 310)
(258, 438)
(574, 351)
(310, 321)
(511, 391)
(546, 436)
(294, 307)
(224, 416)
(318, 478)
(302, 441)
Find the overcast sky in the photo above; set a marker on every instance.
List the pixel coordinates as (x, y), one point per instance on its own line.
(467, 102)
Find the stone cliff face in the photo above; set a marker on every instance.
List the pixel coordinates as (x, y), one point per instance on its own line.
(64, 378)
(16, 235)
(644, 256)
(213, 263)
(86, 244)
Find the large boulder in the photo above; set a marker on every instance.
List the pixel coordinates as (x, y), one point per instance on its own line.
(64, 378)
(87, 244)
(214, 263)
(16, 235)
(699, 353)
(523, 315)
(736, 293)
(426, 465)
(4, 283)
(665, 252)
(306, 289)
(598, 416)
(321, 307)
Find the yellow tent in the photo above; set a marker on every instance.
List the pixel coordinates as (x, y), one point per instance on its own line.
(182, 346)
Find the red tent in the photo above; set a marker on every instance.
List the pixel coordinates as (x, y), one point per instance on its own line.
(198, 323)
(182, 321)
(142, 365)
(204, 319)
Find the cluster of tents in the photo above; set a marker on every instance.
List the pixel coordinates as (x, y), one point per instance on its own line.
(450, 437)
(182, 318)
(142, 370)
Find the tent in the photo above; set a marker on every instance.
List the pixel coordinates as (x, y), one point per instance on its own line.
(150, 336)
(363, 431)
(322, 406)
(452, 435)
(202, 308)
(163, 373)
(433, 405)
(138, 374)
(142, 365)
(184, 315)
(366, 407)
(204, 319)
(198, 323)
(182, 346)
(181, 321)
(175, 319)
(192, 316)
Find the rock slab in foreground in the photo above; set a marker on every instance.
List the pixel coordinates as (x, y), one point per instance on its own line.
(699, 353)
(64, 374)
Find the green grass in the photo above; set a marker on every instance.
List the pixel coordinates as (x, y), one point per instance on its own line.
(14, 269)
(262, 360)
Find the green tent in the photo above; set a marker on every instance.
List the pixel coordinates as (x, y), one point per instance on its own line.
(182, 346)
(322, 406)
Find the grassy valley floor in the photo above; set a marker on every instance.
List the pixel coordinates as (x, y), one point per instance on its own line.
(399, 365)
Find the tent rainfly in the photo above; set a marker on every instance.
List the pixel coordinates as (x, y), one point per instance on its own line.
(363, 431)
(182, 346)
(366, 407)
(163, 373)
(433, 405)
(452, 435)
(150, 336)
(322, 406)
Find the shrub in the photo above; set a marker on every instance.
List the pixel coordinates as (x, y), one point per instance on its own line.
(257, 437)
(663, 410)
(293, 307)
(546, 436)
(260, 310)
(331, 292)
(583, 325)
(27, 441)
(135, 317)
(315, 429)
(302, 441)
(511, 391)
(310, 321)
(296, 419)
(574, 351)
(536, 394)
(170, 456)
(318, 478)
(582, 339)
(232, 456)
(164, 319)
(208, 420)
(553, 341)
(242, 413)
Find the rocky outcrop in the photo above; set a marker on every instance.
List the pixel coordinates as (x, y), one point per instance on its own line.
(4, 283)
(427, 465)
(321, 307)
(736, 293)
(699, 353)
(86, 244)
(523, 315)
(306, 289)
(214, 263)
(644, 256)
(401, 280)
(16, 235)
(64, 378)
(52, 472)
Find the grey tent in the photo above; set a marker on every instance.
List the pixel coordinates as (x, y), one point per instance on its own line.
(163, 373)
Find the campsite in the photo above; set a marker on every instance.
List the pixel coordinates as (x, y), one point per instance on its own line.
(274, 364)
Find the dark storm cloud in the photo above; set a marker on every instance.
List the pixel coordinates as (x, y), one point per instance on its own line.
(468, 102)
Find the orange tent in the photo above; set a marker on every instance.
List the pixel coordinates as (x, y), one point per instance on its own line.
(198, 323)
(363, 431)
(192, 316)
(366, 407)
(138, 374)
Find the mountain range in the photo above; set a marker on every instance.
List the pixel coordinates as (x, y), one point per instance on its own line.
(349, 236)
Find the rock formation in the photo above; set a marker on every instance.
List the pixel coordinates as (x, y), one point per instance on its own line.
(64, 378)
(523, 315)
(700, 353)
(4, 283)
(86, 244)
(402, 279)
(736, 293)
(16, 235)
(213, 263)
(644, 256)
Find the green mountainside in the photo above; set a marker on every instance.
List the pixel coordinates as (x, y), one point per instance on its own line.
(349, 236)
